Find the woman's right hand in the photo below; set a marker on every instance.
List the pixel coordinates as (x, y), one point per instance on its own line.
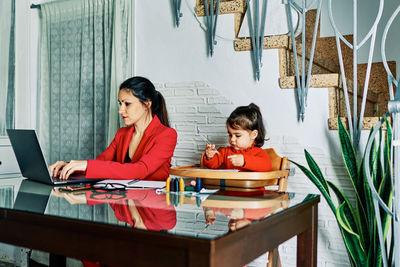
(210, 151)
(56, 168)
(70, 197)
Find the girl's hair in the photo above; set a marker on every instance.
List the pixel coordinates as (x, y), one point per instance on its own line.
(144, 90)
(248, 118)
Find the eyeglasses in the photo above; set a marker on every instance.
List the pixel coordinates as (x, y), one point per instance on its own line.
(109, 186)
(105, 194)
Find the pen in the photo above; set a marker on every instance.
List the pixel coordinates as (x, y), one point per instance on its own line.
(181, 185)
(198, 185)
(203, 136)
(176, 182)
(172, 185)
(134, 181)
(167, 184)
(205, 139)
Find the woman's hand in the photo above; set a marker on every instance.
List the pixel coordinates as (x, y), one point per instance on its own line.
(70, 197)
(56, 168)
(236, 213)
(210, 151)
(71, 167)
(237, 160)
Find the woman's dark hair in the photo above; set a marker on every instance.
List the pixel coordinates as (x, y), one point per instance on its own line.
(248, 118)
(144, 90)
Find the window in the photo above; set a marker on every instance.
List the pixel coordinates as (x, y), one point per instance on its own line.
(7, 23)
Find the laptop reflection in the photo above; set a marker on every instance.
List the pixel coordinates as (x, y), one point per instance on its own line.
(32, 196)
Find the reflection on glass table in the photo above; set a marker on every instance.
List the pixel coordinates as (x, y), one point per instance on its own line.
(73, 224)
(205, 216)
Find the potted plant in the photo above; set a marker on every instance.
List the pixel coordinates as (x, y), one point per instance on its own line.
(357, 223)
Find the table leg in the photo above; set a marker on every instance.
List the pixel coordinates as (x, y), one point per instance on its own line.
(307, 242)
(274, 260)
(57, 261)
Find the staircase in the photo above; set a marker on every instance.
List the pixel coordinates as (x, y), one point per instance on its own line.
(325, 71)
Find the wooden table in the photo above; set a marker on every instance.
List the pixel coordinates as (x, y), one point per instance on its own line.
(124, 246)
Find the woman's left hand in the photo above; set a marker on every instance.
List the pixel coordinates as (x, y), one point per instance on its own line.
(71, 167)
(237, 160)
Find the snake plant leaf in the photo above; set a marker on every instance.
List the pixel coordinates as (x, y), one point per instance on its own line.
(386, 190)
(353, 221)
(318, 184)
(352, 240)
(368, 199)
(348, 152)
(376, 259)
(372, 153)
(388, 144)
(379, 166)
(386, 193)
(350, 160)
(316, 170)
(368, 223)
(343, 219)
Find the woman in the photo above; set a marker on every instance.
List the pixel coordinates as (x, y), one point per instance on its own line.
(143, 150)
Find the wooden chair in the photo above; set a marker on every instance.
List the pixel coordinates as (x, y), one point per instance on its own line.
(243, 181)
(240, 181)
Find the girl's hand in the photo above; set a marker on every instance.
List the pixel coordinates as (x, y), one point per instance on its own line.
(210, 216)
(237, 160)
(56, 168)
(71, 167)
(210, 151)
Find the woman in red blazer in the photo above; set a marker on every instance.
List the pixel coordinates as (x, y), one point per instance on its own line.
(143, 150)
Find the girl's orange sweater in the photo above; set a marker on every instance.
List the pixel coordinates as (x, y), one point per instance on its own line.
(255, 159)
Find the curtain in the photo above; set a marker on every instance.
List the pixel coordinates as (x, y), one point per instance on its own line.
(7, 196)
(7, 15)
(84, 56)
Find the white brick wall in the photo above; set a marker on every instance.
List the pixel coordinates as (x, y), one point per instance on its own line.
(192, 107)
(195, 106)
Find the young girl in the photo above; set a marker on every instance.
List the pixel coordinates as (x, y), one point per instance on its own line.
(246, 137)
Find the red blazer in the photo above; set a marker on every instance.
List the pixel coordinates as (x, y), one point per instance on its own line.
(156, 214)
(255, 159)
(152, 158)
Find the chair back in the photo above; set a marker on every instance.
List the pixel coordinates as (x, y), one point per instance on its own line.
(278, 163)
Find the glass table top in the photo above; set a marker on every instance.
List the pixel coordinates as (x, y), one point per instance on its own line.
(205, 216)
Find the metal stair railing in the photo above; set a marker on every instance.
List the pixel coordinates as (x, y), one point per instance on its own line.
(176, 5)
(303, 80)
(394, 211)
(355, 131)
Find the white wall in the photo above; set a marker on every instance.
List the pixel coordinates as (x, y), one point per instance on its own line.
(168, 54)
(175, 58)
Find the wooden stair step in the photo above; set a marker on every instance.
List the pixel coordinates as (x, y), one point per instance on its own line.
(316, 81)
(367, 124)
(225, 7)
(325, 81)
(270, 42)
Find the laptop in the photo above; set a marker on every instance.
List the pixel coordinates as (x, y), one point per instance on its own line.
(32, 163)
